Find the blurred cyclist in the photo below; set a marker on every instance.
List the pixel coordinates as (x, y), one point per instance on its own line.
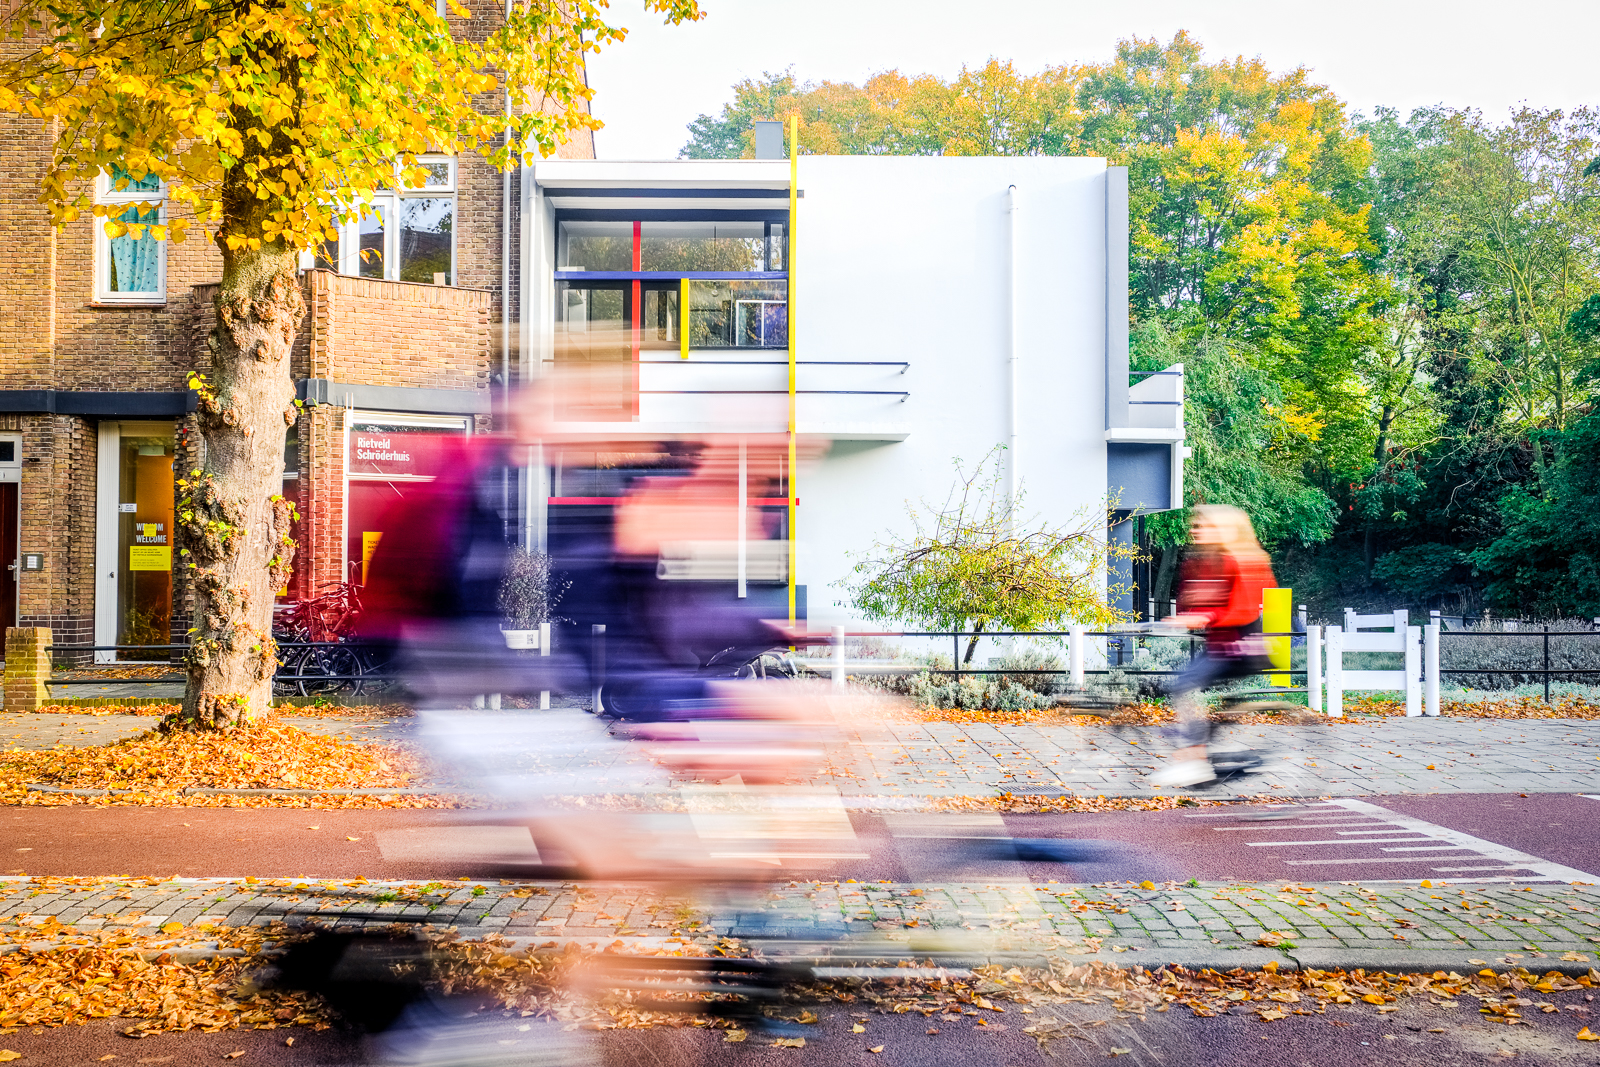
(1224, 572)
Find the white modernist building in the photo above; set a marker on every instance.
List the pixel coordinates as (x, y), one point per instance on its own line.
(940, 307)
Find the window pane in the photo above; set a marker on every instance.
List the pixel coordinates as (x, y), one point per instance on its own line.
(595, 246)
(659, 325)
(592, 324)
(124, 182)
(427, 242)
(135, 260)
(737, 246)
(374, 230)
(738, 314)
(328, 254)
(777, 246)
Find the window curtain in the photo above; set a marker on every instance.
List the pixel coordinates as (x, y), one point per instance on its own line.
(136, 262)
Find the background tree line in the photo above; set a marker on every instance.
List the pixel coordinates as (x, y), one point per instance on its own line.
(1391, 324)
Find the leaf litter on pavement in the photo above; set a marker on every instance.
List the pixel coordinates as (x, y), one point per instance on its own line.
(155, 768)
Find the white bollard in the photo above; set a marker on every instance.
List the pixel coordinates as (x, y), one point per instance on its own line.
(1314, 668)
(1430, 668)
(494, 701)
(1075, 655)
(1413, 636)
(838, 658)
(1333, 643)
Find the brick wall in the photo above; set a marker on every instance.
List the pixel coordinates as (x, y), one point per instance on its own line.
(58, 520)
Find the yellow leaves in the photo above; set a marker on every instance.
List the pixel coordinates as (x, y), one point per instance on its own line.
(875, 1049)
(857, 1028)
(790, 1042)
(1373, 998)
(733, 1037)
(1147, 884)
(171, 928)
(7, 1054)
(1586, 1034)
(1271, 1014)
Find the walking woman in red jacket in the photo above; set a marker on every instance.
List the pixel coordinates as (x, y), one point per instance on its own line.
(1224, 572)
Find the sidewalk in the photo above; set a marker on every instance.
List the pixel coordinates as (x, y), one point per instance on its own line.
(1456, 926)
(1443, 755)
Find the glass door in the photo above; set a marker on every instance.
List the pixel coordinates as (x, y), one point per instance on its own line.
(133, 593)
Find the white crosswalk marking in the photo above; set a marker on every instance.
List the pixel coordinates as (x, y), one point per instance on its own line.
(1381, 836)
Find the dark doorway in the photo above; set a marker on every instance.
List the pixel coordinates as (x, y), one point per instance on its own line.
(10, 556)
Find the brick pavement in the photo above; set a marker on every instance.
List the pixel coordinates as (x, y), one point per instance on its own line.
(1455, 926)
(1446, 755)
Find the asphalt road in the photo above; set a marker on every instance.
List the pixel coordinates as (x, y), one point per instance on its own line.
(1173, 1039)
(1399, 838)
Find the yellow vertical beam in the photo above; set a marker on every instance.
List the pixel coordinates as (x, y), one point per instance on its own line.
(1277, 617)
(788, 266)
(683, 318)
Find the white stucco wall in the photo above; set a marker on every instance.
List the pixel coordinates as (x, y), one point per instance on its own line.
(902, 258)
(907, 258)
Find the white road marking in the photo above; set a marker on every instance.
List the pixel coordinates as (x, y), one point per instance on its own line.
(458, 844)
(1336, 841)
(1487, 849)
(1292, 826)
(1361, 859)
(1427, 848)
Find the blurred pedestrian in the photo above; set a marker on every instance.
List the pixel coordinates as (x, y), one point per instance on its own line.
(1224, 571)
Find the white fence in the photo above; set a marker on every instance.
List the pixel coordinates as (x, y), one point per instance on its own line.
(1326, 648)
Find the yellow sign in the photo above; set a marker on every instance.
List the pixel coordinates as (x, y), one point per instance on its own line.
(1277, 617)
(369, 545)
(150, 557)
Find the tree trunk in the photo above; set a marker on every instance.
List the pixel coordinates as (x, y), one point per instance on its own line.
(972, 644)
(1164, 575)
(234, 526)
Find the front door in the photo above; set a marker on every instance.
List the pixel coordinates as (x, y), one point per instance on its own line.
(134, 591)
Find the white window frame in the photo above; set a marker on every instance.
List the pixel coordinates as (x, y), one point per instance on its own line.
(390, 201)
(107, 193)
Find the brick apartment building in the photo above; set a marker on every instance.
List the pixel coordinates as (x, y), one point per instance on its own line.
(97, 337)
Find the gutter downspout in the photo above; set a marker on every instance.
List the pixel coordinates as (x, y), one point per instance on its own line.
(505, 311)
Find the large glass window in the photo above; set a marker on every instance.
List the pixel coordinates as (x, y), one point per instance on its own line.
(144, 543)
(131, 266)
(407, 234)
(671, 246)
(738, 314)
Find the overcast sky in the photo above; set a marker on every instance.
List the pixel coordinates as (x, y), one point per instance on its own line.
(1402, 53)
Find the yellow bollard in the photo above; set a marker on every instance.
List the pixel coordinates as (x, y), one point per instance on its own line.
(1277, 617)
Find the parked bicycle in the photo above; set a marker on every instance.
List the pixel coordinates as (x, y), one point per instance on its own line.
(317, 653)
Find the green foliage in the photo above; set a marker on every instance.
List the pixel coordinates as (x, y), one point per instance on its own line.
(978, 562)
(1247, 442)
(270, 120)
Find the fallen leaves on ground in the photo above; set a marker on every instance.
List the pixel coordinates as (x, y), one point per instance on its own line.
(60, 976)
(1561, 707)
(259, 755)
(1031, 803)
(1149, 713)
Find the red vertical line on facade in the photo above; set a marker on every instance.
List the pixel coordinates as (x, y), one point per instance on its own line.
(638, 311)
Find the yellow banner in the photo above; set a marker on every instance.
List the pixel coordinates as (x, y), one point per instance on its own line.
(369, 545)
(150, 557)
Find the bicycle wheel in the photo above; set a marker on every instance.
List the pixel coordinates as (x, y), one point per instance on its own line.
(284, 680)
(328, 669)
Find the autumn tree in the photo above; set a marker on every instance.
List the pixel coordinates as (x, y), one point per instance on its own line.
(978, 561)
(270, 121)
